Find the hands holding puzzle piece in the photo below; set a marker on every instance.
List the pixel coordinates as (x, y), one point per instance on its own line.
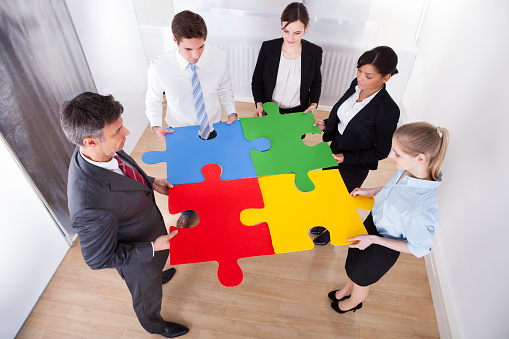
(256, 173)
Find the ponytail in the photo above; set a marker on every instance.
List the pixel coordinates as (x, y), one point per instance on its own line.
(423, 138)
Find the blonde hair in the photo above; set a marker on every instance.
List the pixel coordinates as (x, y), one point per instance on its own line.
(423, 138)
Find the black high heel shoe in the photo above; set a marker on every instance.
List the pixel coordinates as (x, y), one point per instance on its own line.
(332, 296)
(336, 308)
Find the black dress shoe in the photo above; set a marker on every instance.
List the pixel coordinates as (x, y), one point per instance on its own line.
(172, 330)
(336, 308)
(317, 230)
(322, 239)
(332, 296)
(168, 274)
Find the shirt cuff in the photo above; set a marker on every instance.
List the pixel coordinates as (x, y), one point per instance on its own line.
(153, 252)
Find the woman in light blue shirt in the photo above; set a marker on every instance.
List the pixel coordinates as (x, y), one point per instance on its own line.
(404, 215)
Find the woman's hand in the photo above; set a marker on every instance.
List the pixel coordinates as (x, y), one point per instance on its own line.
(363, 241)
(365, 192)
(339, 157)
(259, 110)
(311, 108)
(320, 124)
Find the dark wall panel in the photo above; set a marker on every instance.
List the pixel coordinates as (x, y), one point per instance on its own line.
(41, 65)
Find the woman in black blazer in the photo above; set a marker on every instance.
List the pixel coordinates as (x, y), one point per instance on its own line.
(362, 122)
(278, 64)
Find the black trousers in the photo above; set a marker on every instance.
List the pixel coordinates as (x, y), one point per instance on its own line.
(353, 175)
(147, 295)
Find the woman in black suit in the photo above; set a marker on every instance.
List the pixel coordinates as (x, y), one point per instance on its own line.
(287, 71)
(362, 122)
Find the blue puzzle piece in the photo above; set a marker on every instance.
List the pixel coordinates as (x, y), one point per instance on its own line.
(186, 153)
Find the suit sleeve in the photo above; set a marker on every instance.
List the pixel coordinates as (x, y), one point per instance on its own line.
(97, 230)
(316, 86)
(384, 128)
(257, 85)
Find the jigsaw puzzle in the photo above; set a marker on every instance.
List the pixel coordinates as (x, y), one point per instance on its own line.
(218, 236)
(218, 179)
(288, 153)
(291, 213)
(186, 153)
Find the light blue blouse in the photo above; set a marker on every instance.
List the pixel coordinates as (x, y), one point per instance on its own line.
(408, 210)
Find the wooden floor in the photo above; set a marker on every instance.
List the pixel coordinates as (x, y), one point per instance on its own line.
(282, 296)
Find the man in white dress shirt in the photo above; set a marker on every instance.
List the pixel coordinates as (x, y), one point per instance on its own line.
(171, 74)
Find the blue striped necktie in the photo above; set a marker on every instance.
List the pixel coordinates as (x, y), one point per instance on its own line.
(199, 104)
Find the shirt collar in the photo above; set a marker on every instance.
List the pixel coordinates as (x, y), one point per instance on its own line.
(368, 99)
(109, 165)
(183, 63)
(419, 183)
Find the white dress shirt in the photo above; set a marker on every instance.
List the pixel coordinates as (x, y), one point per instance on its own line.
(170, 74)
(350, 107)
(287, 90)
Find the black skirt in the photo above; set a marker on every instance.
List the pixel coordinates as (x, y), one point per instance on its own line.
(366, 267)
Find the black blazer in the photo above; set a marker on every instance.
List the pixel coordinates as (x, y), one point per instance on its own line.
(368, 136)
(116, 219)
(267, 65)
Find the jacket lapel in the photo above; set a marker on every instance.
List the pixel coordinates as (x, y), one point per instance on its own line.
(368, 110)
(117, 182)
(274, 57)
(306, 59)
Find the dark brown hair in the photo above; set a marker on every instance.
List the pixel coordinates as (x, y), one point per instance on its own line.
(188, 25)
(383, 58)
(87, 115)
(296, 11)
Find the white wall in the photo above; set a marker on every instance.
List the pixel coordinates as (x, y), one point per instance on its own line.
(31, 245)
(459, 81)
(111, 40)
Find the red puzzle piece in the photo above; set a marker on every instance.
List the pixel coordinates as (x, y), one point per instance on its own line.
(219, 236)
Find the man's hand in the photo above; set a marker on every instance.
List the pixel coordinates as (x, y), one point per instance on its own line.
(163, 242)
(162, 186)
(160, 132)
(231, 118)
(320, 124)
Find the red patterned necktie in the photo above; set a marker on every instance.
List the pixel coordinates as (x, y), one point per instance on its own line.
(129, 172)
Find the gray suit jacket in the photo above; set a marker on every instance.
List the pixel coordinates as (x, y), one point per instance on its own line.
(116, 218)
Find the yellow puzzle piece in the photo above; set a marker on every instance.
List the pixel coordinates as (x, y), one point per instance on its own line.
(290, 213)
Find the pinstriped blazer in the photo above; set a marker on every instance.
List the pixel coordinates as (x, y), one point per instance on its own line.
(116, 219)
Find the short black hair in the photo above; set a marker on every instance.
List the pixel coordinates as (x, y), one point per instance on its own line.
(87, 115)
(383, 58)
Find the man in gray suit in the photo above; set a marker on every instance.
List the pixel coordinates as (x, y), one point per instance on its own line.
(112, 207)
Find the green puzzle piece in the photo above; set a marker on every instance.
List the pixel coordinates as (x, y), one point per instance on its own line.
(287, 153)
